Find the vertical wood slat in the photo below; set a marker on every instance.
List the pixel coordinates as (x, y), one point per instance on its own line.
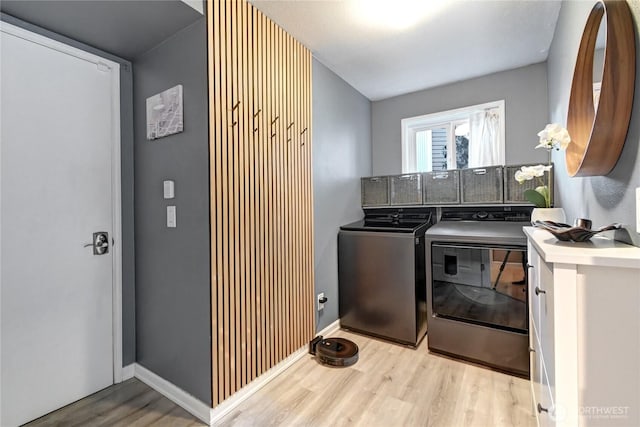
(257, 201)
(266, 192)
(251, 203)
(213, 52)
(224, 206)
(245, 301)
(261, 203)
(309, 204)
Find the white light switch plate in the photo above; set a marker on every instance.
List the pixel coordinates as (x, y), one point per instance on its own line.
(169, 189)
(638, 210)
(171, 217)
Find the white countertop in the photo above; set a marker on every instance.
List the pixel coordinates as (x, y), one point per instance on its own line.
(600, 251)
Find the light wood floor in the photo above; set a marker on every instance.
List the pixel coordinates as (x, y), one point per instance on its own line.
(390, 385)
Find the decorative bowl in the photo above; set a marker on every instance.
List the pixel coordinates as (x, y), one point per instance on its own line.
(567, 233)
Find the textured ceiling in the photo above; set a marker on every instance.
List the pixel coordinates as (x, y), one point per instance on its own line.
(448, 41)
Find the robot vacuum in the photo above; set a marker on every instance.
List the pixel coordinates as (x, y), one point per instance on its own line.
(334, 351)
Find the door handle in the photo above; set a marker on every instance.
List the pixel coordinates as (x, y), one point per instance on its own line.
(539, 291)
(100, 243)
(542, 409)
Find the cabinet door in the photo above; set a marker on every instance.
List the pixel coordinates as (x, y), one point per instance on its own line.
(541, 337)
(542, 401)
(534, 282)
(545, 408)
(545, 300)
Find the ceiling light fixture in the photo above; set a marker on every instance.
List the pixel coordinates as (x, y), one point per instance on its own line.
(394, 14)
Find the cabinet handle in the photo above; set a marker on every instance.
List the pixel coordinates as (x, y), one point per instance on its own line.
(541, 409)
(539, 291)
(529, 266)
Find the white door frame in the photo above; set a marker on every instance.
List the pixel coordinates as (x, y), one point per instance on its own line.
(116, 249)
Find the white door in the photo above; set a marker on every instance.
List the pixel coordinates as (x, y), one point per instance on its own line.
(59, 123)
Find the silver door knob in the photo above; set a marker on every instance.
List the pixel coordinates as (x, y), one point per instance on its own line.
(100, 243)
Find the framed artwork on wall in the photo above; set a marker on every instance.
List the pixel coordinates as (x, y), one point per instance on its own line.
(164, 113)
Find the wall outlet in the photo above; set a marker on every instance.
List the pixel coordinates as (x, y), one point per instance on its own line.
(637, 209)
(321, 301)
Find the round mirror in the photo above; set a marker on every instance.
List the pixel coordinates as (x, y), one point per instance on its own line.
(599, 112)
(598, 61)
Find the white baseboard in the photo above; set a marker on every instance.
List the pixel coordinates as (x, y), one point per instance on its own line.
(128, 371)
(225, 407)
(180, 397)
(330, 329)
(213, 415)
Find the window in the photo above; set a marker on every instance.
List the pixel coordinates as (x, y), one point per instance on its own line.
(455, 139)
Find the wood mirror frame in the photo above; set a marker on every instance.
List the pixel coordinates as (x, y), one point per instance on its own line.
(598, 134)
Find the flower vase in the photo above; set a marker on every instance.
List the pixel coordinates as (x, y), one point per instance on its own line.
(548, 214)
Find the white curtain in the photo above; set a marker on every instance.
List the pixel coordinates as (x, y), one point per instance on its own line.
(484, 139)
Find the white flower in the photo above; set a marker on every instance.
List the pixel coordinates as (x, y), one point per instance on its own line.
(554, 136)
(527, 173)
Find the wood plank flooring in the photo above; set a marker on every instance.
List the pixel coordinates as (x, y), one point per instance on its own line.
(130, 403)
(390, 385)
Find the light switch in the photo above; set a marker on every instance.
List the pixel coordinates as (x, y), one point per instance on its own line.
(169, 189)
(171, 217)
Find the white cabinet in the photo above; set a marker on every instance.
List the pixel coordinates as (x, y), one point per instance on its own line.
(584, 311)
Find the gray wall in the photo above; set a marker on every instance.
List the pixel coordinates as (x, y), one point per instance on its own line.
(173, 319)
(126, 170)
(341, 155)
(526, 109)
(604, 199)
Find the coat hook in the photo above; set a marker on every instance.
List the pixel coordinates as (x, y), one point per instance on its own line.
(275, 120)
(233, 124)
(257, 112)
(235, 106)
(301, 133)
(289, 127)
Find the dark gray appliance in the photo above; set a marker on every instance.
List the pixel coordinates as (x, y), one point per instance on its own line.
(476, 286)
(381, 273)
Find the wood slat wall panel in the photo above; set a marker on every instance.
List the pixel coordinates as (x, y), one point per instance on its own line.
(261, 196)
